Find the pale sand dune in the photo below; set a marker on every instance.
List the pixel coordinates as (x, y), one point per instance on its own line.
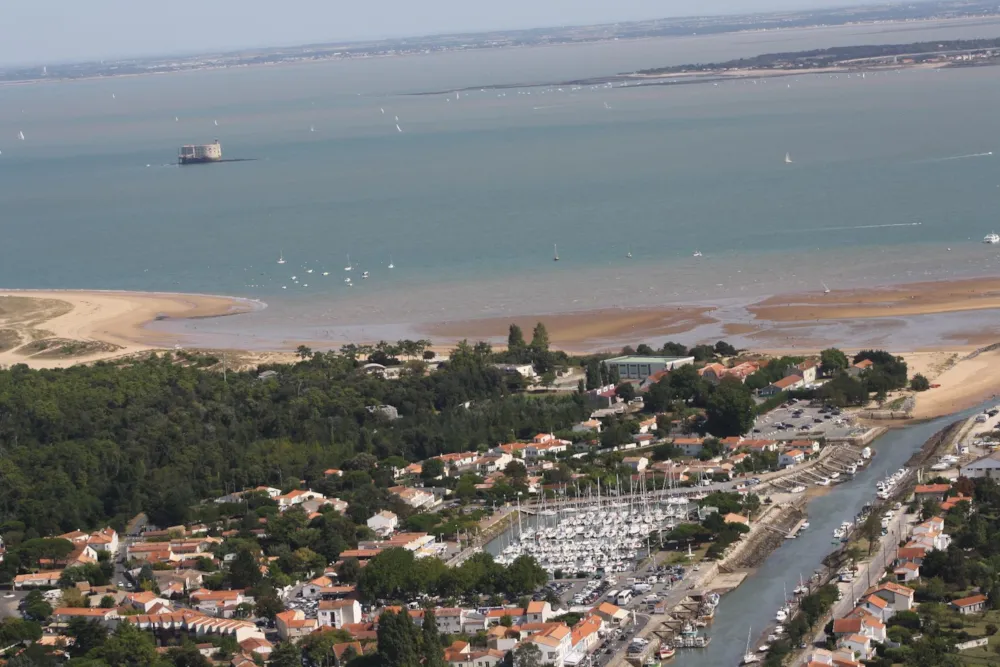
(104, 324)
(964, 384)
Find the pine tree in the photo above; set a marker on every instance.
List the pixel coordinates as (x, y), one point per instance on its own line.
(397, 640)
(431, 650)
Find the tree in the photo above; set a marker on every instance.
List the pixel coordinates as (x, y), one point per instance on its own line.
(432, 469)
(919, 383)
(730, 410)
(644, 350)
(244, 572)
(128, 646)
(625, 391)
(107, 602)
(397, 640)
(593, 373)
(724, 349)
(527, 654)
(832, 361)
(540, 339)
(303, 352)
(516, 471)
(515, 339)
(430, 645)
(285, 654)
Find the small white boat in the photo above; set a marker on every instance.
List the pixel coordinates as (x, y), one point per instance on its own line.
(348, 267)
(364, 275)
(805, 525)
(748, 657)
(991, 238)
(391, 265)
(781, 616)
(697, 253)
(788, 158)
(281, 258)
(555, 253)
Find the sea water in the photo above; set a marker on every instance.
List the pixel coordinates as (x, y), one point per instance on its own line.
(894, 178)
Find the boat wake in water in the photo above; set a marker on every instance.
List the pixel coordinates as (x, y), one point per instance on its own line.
(960, 157)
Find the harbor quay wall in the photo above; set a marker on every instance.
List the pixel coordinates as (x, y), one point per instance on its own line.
(766, 535)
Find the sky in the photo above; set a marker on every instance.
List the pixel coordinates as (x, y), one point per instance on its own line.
(54, 31)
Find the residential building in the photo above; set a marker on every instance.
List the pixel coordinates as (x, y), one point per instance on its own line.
(384, 523)
(219, 603)
(877, 607)
(636, 463)
(293, 624)
(555, 643)
(907, 572)
(297, 497)
(806, 370)
(791, 458)
(854, 370)
(787, 383)
(690, 446)
(988, 466)
(338, 613)
(612, 615)
(415, 498)
(539, 611)
(970, 605)
(589, 425)
(197, 624)
(736, 518)
(102, 540)
(934, 492)
(105, 616)
(494, 462)
(859, 645)
(524, 370)
(387, 411)
(640, 367)
(45, 578)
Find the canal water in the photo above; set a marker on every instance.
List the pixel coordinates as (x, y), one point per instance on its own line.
(753, 605)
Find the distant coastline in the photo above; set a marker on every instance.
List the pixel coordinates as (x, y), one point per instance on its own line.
(921, 15)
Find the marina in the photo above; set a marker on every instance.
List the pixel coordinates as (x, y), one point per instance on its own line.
(597, 532)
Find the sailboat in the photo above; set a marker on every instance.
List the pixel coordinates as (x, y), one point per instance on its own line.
(826, 290)
(281, 258)
(748, 657)
(555, 251)
(629, 255)
(697, 253)
(391, 265)
(348, 267)
(788, 158)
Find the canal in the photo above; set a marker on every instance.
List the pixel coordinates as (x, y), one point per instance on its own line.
(753, 605)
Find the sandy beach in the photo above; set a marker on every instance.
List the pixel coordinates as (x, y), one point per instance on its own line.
(47, 329)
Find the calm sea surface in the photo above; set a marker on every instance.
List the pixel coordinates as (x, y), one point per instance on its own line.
(468, 200)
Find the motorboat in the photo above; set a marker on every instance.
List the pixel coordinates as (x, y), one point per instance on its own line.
(992, 238)
(666, 652)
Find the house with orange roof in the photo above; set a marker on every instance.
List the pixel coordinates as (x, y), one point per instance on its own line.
(585, 636)
(297, 497)
(554, 643)
(145, 600)
(66, 614)
(854, 370)
(636, 463)
(538, 611)
(952, 501)
(859, 645)
(258, 646)
(494, 462)
(588, 425)
(970, 605)
(383, 523)
(517, 615)
(877, 607)
(899, 597)
(690, 446)
(911, 554)
(547, 448)
(219, 603)
(934, 492)
(45, 578)
(612, 615)
(194, 623)
(333, 472)
(787, 383)
(415, 498)
(293, 624)
(363, 631)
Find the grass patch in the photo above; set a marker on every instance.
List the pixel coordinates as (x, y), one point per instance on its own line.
(63, 348)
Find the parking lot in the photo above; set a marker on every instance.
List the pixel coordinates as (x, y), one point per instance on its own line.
(799, 420)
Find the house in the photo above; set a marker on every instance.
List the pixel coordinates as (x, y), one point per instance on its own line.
(859, 645)
(877, 607)
(333, 472)
(586, 635)
(933, 531)
(218, 603)
(494, 616)
(910, 554)
(970, 605)
(494, 462)
(338, 613)
(612, 615)
(46, 578)
(196, 624)
(953, 501)
(933, 492)
(647, 425)
(635, 367)
(297, 497)
(293, 624)
(690, 446)
(256, 645)
(736, 518)
(383, 523)
(415, 498)
(550, 447)
(791, 457)
(554, 643)
(66, 614)
(806, 370)
(145, 601)
(524, 370)
(488, 658)
(907, 572)
(987, 466)
(588, 425)
(861, 624)
(714, 373)
(787, 383)
(636, 463)
(102, 540)
(857, 369)
(539, 611)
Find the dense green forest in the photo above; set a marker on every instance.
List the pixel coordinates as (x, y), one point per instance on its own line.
(88, 444)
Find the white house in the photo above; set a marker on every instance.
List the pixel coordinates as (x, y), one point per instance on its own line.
(859, 645)
(555, 643)
(589, 425)
(539, 611)
(900, 598)
(338, 613)
(636, 463)
(877, 607)
(970, 605)
(791, 457)
(415, 498)
(524, 370)
(495, 461)
(383, 523)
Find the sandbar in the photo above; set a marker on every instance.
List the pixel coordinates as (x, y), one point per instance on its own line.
(58, 328)
(583, 330)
